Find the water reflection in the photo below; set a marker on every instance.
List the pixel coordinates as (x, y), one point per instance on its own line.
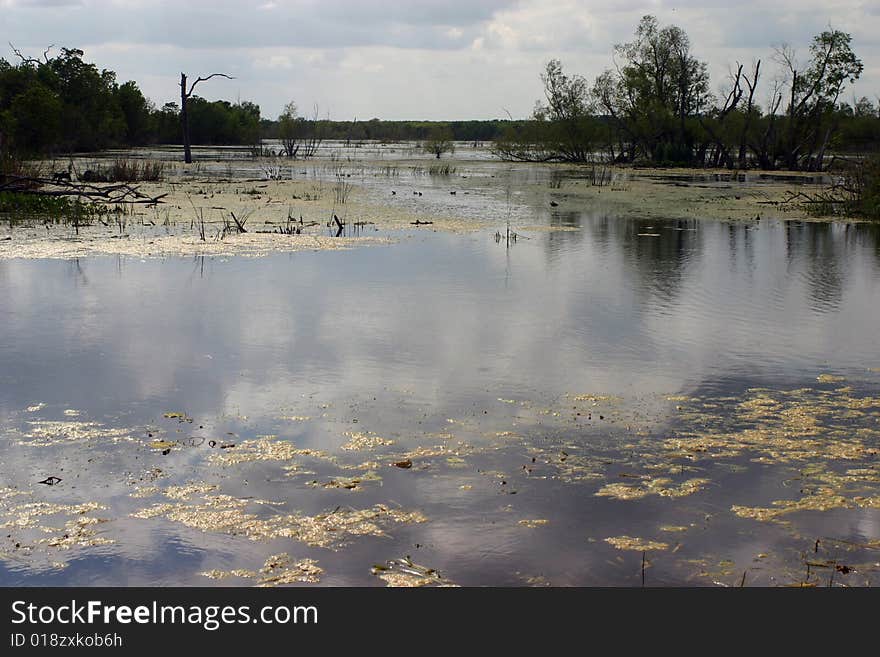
(401, 340)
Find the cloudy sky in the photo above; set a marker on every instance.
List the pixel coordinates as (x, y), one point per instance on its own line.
(422, 59)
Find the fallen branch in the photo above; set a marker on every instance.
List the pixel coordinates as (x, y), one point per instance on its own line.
(112, 193)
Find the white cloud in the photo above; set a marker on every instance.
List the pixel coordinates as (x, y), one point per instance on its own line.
(432, 59)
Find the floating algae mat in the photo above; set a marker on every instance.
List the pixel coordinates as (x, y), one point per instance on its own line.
(636, 389)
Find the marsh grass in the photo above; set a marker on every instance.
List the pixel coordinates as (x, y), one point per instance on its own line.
(127, 170)
(55, 209)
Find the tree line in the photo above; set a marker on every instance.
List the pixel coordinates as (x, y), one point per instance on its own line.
(657, 106)
(63, 104)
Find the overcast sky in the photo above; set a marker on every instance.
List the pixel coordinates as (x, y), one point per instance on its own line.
(424, 59)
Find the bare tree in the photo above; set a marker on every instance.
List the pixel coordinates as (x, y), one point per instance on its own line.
(184, 116)
(752, 84)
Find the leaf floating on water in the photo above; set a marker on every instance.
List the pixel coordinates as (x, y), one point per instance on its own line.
(638, 544)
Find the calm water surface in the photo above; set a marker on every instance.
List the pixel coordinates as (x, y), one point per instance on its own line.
(441, 342)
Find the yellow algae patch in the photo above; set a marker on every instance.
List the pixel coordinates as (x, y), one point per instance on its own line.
(145, 491)
(639, 544)
(829, 378)
(595, 398)
(78, 532)
(822, 500)
(265, 448)
(868, 502)
(281, 569)
(348, 483)
(27, 514)
(162, 444)
(224, 574)
(185, 492)
(364, 440)
(659, 486)
(227, 515)
(538, 522)
(47, 433)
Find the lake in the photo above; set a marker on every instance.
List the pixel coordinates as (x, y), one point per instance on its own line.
(608, 400)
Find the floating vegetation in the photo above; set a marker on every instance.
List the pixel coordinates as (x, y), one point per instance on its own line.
(595, 399)
(565, 464)
(225, 574)
(660, 486)
(187, 491)
(348, 483)
(264, 448)
(28, 514)
(531, 524)
(364, 440)
(228, 515)
(829, 378)
(279, 569)
(45, 433)
(405, 573)
(638, 544)
(78, 532)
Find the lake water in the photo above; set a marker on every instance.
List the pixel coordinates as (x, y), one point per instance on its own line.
(534, 390)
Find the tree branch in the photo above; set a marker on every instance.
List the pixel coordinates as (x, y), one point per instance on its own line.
(24, 60)
(213, 75)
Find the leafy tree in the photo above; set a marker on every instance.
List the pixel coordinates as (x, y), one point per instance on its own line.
(813, 94)
(289, 130)
(136, 110)
(440, 140)
(35, 119)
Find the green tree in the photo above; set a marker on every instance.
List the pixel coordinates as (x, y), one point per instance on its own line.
(657, 94)
(289, 129)
(814, 90)
(136, 110)
(35, 120)
(440, 140)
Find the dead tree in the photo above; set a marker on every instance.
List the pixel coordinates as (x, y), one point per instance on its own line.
(752, 84)
(31, 60)
(184, 115)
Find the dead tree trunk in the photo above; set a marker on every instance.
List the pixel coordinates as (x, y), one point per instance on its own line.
(184, 115)
(184, 120)
(752, 85)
